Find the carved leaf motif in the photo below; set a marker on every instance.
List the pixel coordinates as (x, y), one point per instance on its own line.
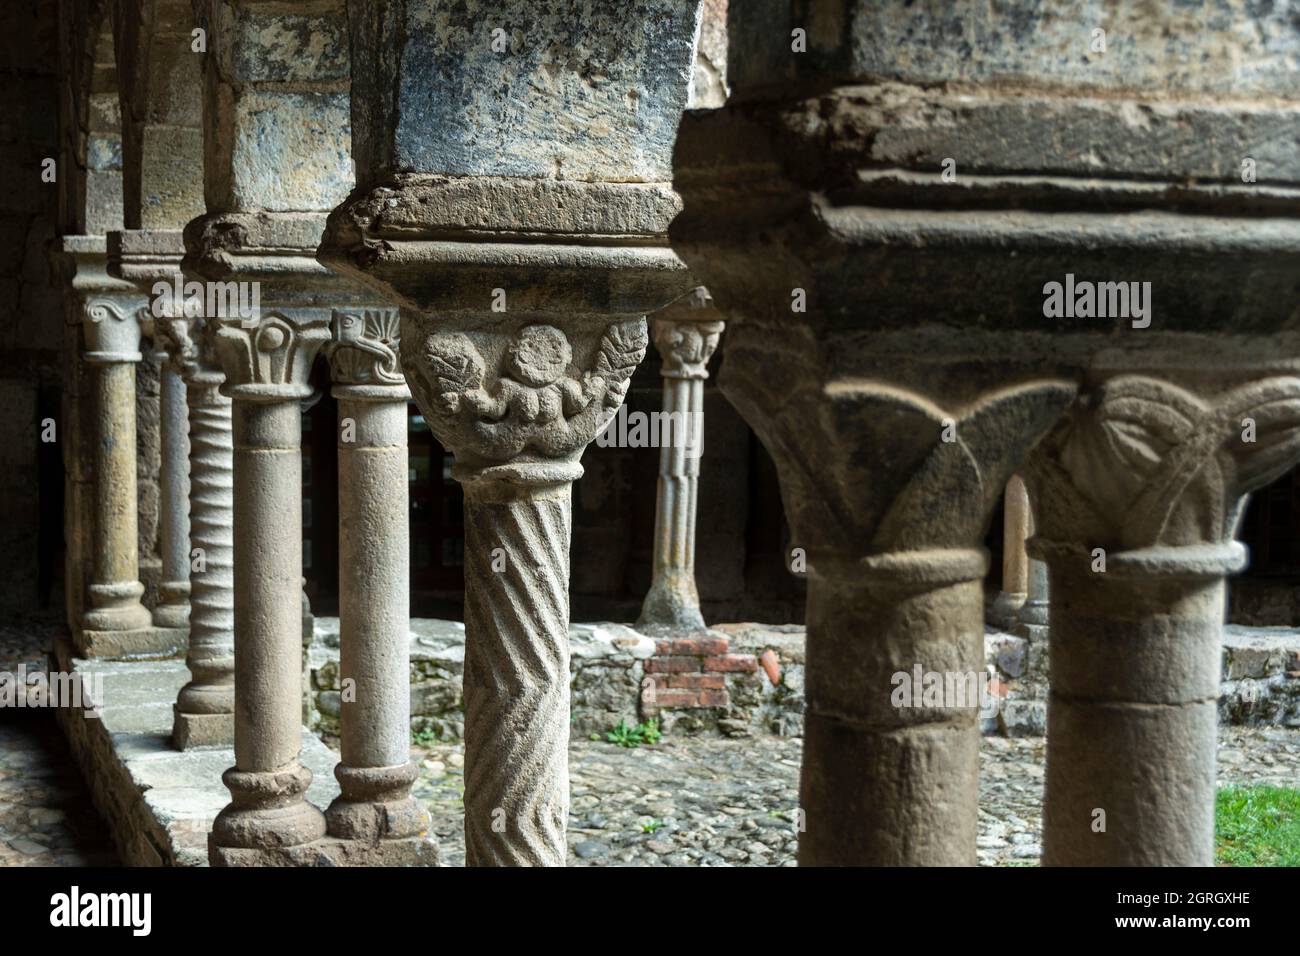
(455, 367)
(621, 350)
(1156, 465)
(948, 497)
(1274, 407)
(533, 402)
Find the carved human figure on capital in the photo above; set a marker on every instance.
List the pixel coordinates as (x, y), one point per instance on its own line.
(536, 401)
(686, 347)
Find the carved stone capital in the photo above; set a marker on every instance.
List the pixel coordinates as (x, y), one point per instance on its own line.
(871, 466)
(113, 328)
(1142, 464)
(191, 352)
(364, 350)
(521, 403)
(686, 347)
(271, 359)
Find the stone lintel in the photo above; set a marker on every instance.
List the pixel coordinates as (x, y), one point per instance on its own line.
(878, 245)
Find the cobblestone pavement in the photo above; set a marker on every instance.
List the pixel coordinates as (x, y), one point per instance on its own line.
(45, 814)
(719, 802)
(686, 801)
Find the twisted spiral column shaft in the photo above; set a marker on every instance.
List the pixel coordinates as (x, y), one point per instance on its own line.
(516, 673)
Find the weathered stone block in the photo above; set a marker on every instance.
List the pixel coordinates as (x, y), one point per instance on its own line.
(290, 151)
(558, 90)
(1222, 46)
(267, 44)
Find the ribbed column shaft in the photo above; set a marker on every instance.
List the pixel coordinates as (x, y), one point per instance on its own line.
(212, 615)
(673, 598)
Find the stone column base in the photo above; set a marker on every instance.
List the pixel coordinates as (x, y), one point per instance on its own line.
(1004, 613)
(138, 642)
(202, 730)
(331, 851)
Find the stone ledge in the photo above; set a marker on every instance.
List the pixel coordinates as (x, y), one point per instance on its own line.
(159, 802)
(144, 642)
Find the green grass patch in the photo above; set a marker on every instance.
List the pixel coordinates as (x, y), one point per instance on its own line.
(1257, 826)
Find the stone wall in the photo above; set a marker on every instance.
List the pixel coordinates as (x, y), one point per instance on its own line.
(1260, 679)
(749, 678)
(609, 669)
(30, 309)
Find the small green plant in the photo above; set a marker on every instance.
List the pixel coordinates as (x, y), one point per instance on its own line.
(423, 738)
(625, 736)
(651, 826)
(1258, 826)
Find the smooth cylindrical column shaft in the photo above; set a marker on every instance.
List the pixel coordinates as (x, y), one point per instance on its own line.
(205, 706)
(268, 781)
(1015, 562)
(1132, 717)
(516, 673)
(891, 772)
(673, 599)
(115, 590)
(375, 771)
(173, 608)
(1016, 529)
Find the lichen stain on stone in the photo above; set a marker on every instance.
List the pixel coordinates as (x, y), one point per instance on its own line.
(298, 48)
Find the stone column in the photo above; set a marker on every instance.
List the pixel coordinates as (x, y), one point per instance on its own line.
(686, 334)
(112, 331)
(375, 772)
(115, 622)
(1034, 612)
(893, 429)
(1140, 493)
(197, 528)
(150, 258)
(517, 408)
(524, 255)
(266, 366)
(888, 496)
(205, 707)
(173, 607)
(1015, 561)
